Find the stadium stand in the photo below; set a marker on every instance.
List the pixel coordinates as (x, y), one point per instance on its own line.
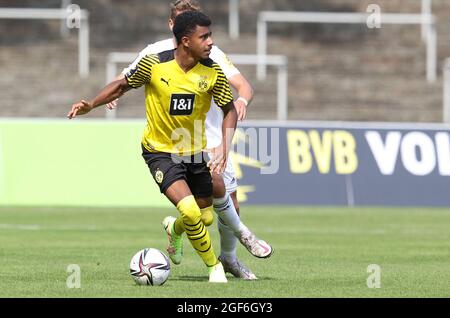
(336, 72)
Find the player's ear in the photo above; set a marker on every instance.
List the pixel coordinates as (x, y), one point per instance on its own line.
(185, 41)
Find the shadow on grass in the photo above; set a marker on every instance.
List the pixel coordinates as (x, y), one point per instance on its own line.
(190, 278)
(205, 278)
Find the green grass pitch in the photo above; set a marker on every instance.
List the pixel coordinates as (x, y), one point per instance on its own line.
(319, 252)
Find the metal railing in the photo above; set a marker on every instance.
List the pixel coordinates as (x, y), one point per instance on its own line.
(58, 14)
(64, 30)
(279, 61)
(233, 19)
(426, 20)
(446, 108)
(426, 10)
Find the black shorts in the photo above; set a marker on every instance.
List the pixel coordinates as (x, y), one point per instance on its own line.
(166, 168)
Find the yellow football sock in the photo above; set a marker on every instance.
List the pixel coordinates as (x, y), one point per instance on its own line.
(196, 231)
(207, 215)
(179, 226)
(207, 218)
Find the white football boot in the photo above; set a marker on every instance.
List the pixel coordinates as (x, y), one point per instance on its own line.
(217, 274)
(237, 269)
(255, 246)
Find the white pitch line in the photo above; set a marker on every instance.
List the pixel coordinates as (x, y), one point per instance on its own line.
(2, 169)
(27, 227)
(37, 227)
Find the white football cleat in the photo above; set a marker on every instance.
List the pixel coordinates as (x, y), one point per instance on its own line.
(255, 246)
(217, 274)
(237, 269)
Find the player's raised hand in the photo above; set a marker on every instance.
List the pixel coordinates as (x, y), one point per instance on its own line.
(241, 109)
(80, 108)
(113, 104)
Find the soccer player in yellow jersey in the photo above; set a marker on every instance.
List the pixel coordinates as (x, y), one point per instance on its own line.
(231, 228)
(179, 85)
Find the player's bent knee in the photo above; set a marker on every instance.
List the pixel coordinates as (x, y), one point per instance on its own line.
(192, 216)
(189, 210)
(207, 215)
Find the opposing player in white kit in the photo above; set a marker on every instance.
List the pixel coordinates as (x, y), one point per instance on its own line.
(224, 187)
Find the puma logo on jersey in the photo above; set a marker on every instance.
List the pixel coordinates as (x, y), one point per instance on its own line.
(163, 80)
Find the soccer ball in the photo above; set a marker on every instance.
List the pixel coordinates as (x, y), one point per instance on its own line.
(150, 266)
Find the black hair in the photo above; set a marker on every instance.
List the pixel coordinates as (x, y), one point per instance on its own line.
(186, 23)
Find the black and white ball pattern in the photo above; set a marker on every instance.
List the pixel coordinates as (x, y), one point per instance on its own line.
(150, 266)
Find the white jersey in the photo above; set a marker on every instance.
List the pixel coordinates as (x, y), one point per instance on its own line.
(214, 118)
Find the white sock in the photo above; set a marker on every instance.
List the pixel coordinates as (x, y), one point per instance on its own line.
(228, 241)
(225, 209)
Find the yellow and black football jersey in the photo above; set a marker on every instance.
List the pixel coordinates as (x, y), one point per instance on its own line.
(177, 102)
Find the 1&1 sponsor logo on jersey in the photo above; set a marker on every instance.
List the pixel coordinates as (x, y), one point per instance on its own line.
(181, 104)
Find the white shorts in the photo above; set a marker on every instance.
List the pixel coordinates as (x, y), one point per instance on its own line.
(229, 178)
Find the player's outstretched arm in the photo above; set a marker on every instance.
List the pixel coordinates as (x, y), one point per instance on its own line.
(150, 49)
(245, 92)
(111, 92)
(219, 155)
(113, 104)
